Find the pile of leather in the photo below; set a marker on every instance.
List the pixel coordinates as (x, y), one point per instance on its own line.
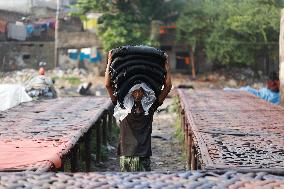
(131, 65)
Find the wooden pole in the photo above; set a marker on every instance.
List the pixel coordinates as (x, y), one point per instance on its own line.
(110, 125)
(88, 150)
(56, 34)
(193, 72)
(74, 159)
(99, 141)
(193, 158)
(281, 57)
(104, 125)
(190, 141)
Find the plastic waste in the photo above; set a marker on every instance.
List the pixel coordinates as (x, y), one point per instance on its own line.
(12, 95)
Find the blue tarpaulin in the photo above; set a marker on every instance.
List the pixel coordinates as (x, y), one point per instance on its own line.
(264, 93)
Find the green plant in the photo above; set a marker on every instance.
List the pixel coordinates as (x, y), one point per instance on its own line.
(127, 22)
(178, 134)
(73, 80)
(231, 32)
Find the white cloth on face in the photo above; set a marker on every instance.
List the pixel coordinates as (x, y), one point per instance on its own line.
(147, 100)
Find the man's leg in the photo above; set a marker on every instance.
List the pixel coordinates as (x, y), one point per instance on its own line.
(134, 164)
(145, 163)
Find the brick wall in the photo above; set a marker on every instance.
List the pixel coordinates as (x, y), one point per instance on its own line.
(21, 55)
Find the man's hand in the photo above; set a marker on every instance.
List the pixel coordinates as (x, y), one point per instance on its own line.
(107, 79)
(107, 74)
(167, 83)
(109, 57)
(167, 67)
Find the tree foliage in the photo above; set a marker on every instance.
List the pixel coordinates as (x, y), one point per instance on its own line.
(128, 21)
(232, 31)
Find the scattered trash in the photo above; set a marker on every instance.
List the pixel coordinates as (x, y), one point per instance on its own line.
(66, 81)
(159, 163)
(41, 87)
(85, 89)
(185, 86)
(109, 147)
(101, 90)
(161, 137)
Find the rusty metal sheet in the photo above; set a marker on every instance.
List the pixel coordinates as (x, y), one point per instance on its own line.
(203, 100)
(235, 130)
(36, 135)
(232, 180)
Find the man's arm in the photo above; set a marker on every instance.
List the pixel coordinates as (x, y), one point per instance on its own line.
(167, 84)
(107, 80)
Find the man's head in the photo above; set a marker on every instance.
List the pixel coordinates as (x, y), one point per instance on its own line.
(41, 71)
(138, 94)
(273, 83)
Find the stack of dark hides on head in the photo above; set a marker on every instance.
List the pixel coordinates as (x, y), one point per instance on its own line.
(131, 65)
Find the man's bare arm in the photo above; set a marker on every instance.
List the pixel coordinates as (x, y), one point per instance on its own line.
(167, 84)
(107, 81)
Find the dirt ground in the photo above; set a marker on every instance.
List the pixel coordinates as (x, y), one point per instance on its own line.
(167, 151)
